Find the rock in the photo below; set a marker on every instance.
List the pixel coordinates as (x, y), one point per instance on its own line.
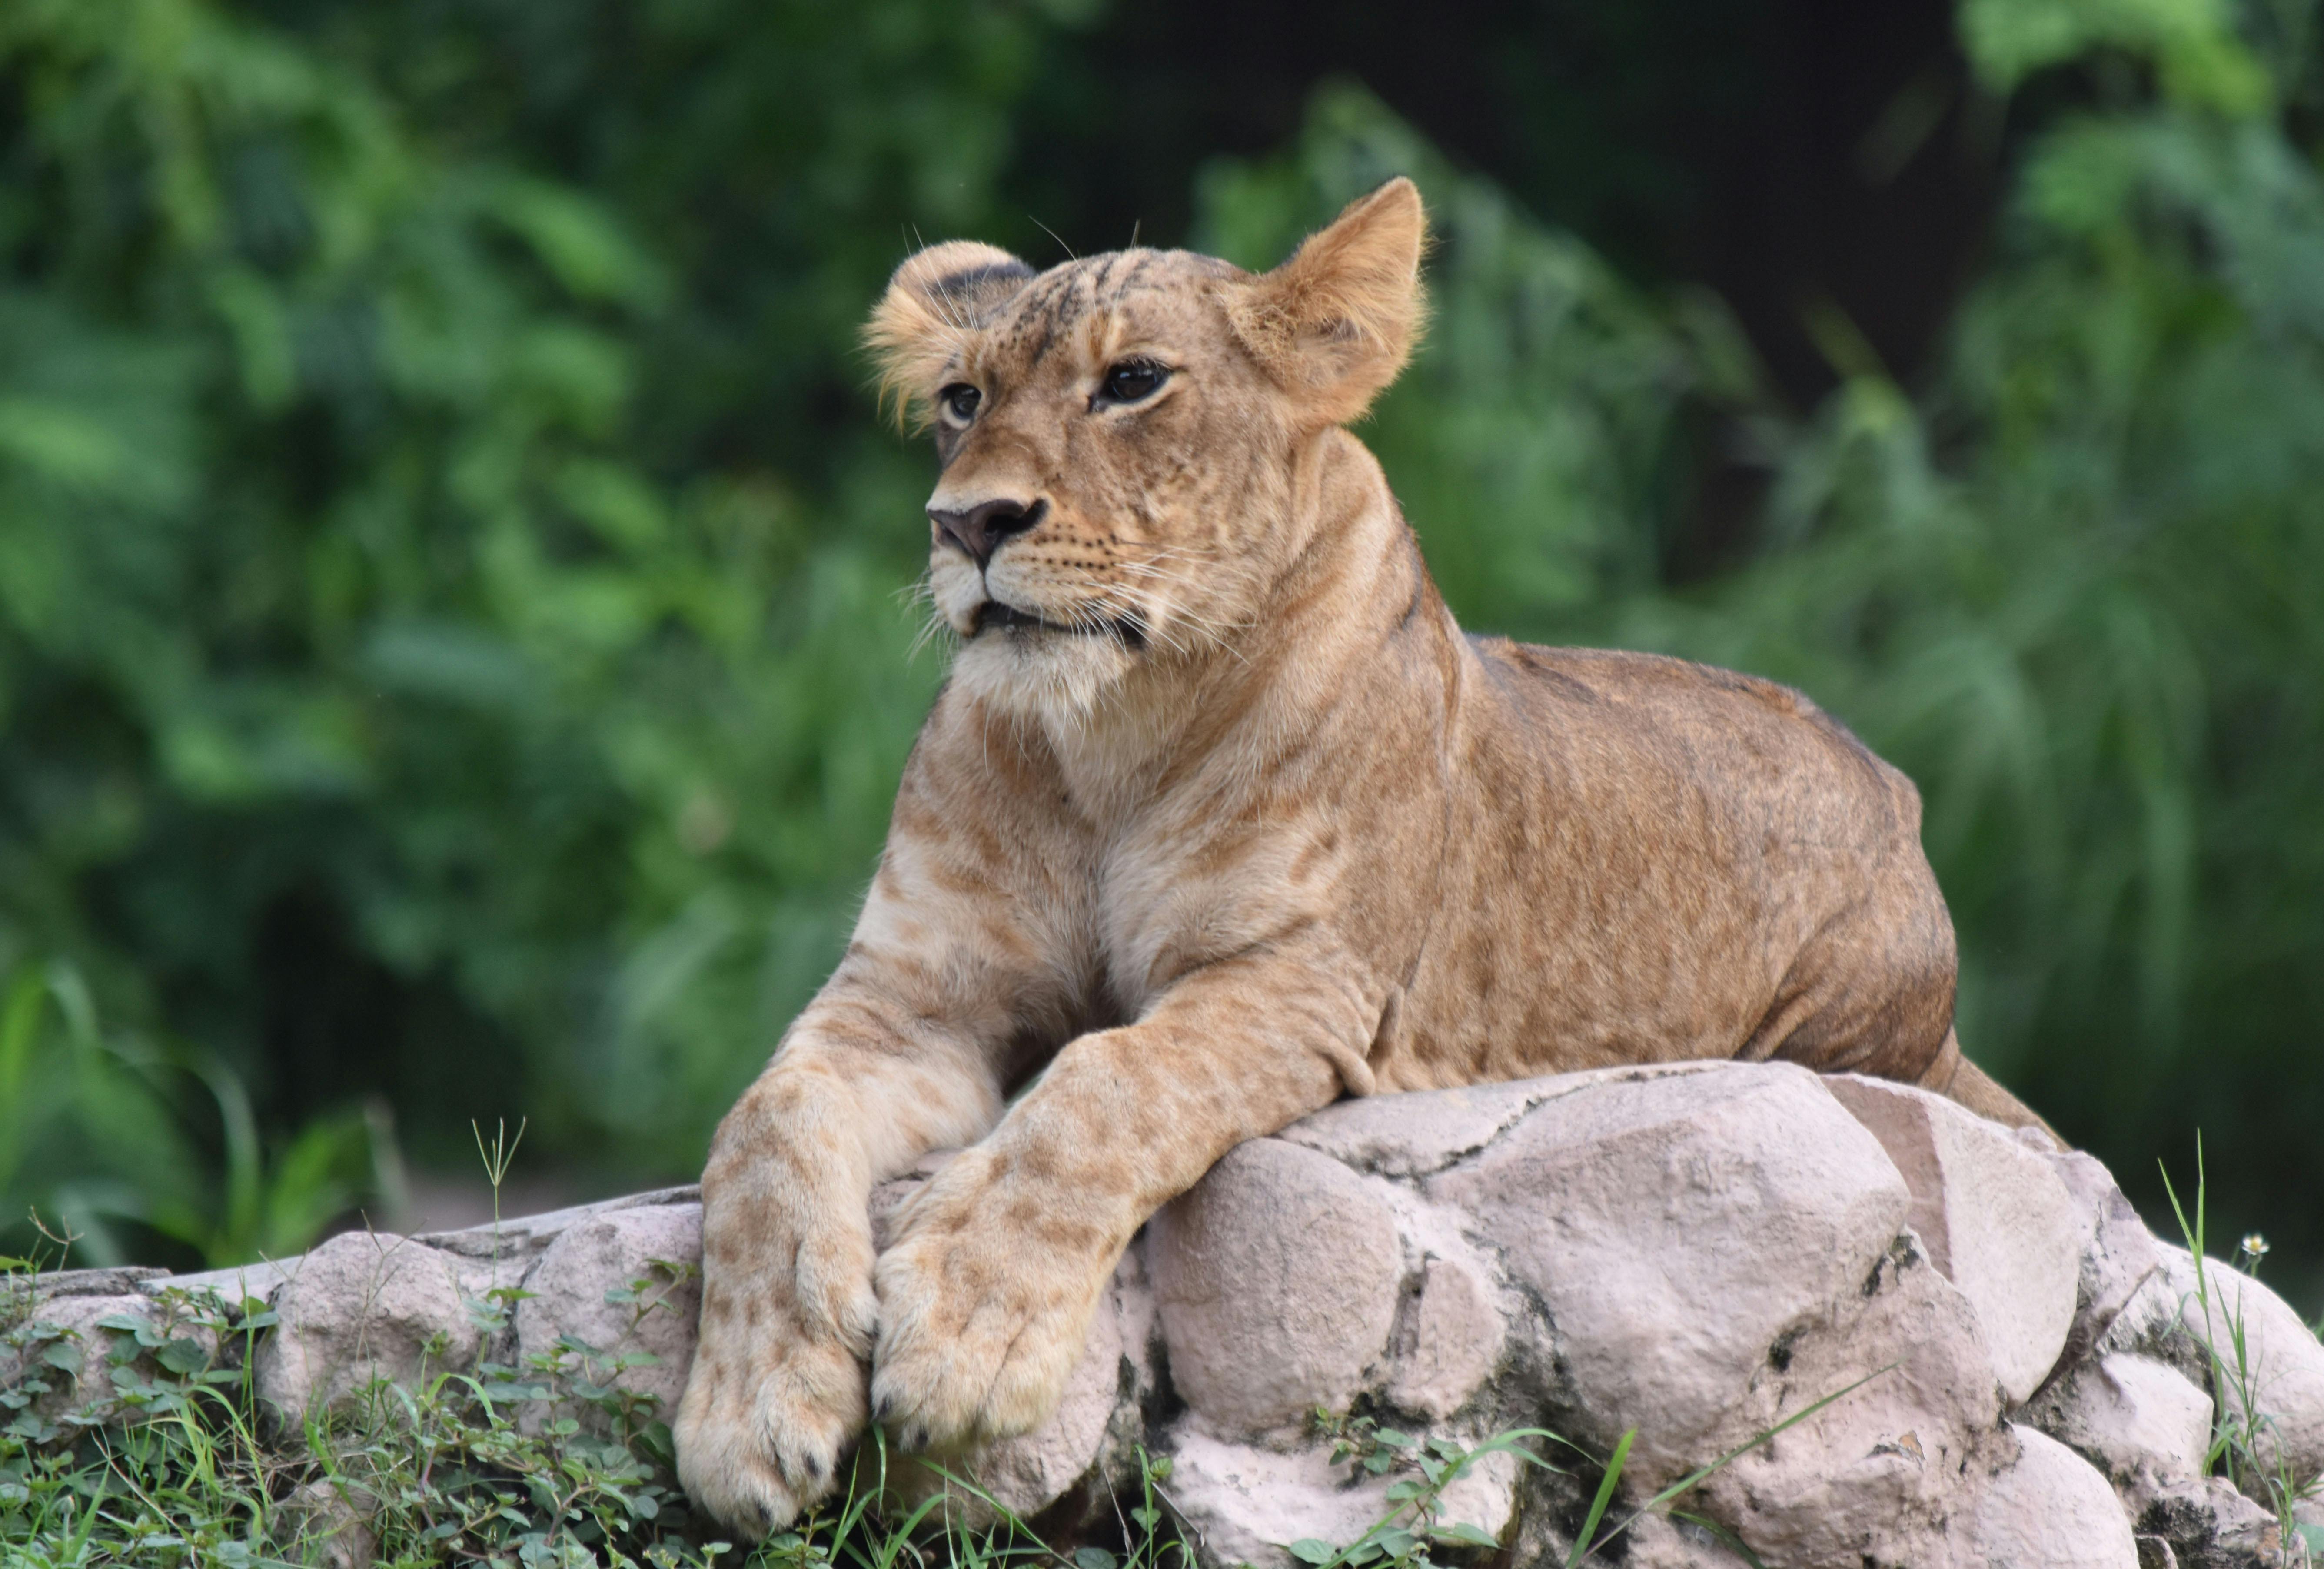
(2207, 1523)
(2149, 1326)
(110, 1280)
(1247, 1505)
(1699, 1252)
(2137, 1419)
(626, 1284)
(1659, 1542)
(1877, 1475)
(1996, 1219)
(1415, 1135)
(523, 1238)
(1277, 1277)
(1457, 1337)
(237, 1286)
(1605, 1204)
(2052, 1508)
(95, 1366)
(2119, 1258)
(2279, 1383)
(365, 1306)
(2038, 1139)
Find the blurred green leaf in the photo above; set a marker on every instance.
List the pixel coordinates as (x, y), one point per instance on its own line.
(2193, 42)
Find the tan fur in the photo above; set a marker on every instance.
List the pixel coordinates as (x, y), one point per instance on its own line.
(1245, 825)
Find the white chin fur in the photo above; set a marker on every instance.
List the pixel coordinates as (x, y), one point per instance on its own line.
(1039, 673)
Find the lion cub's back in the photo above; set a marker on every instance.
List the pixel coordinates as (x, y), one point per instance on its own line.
(1730, 826)
(1652, 725)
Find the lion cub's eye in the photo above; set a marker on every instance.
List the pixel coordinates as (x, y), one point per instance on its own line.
(960, 400)
(1131, 382)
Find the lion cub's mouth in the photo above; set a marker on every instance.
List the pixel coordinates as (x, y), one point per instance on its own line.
(992, 612)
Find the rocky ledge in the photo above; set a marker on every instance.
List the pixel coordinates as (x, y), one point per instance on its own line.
(1695, 1254)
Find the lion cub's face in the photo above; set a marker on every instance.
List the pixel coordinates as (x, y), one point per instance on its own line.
(1117, 436)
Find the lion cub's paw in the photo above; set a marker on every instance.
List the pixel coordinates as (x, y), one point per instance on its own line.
(980, 1326)
(759, 1436)
(776, 1391)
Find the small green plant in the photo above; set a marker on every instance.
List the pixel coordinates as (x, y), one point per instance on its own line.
(498, 1157)
(1150, 1537)
(2243, 1446)
(649, 1293)
(1416, 1528)
(141, 1440)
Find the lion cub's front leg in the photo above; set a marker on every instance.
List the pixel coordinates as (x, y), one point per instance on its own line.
(984, 1301)
(776, 1391)
(987, 1286)
(788, 1311)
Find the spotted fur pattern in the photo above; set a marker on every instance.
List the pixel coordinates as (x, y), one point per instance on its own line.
(1220, 818)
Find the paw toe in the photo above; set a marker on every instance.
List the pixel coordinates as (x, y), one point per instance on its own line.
(741, 1488)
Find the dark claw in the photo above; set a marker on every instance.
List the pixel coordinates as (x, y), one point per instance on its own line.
(884, 1409)
(915, 1438)
(818, 1467)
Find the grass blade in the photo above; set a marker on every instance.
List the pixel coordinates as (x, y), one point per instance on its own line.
(1581, 1547)
(1694, 1478)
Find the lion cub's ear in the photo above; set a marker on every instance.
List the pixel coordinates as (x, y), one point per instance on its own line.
(936, 300)
(1336, 322)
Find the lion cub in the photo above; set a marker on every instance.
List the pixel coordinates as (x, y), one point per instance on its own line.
(1220, 818)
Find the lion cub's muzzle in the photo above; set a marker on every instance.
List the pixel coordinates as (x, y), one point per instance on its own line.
(979, 530)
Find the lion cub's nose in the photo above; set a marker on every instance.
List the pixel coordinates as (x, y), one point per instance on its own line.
(978, 532)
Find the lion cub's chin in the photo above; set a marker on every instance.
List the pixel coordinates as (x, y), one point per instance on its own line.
(1039, 673)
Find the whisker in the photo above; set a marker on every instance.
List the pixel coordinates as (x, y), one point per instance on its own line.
(933, 627)
(1053, 234)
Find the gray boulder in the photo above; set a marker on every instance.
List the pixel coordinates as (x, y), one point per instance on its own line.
(1894, 1334)
(2052, 1509)
(627, 1285)
(1279, 1279)
(1996, 1218)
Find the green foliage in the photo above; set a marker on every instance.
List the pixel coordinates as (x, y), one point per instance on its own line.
(156, 1453)
(550, 1463)
(2073, 592)
(2190, 43)
(1536, 443)
(99, 1128)
(1416, 1529)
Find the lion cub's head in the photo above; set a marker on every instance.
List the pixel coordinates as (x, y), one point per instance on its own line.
(1118, 435)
